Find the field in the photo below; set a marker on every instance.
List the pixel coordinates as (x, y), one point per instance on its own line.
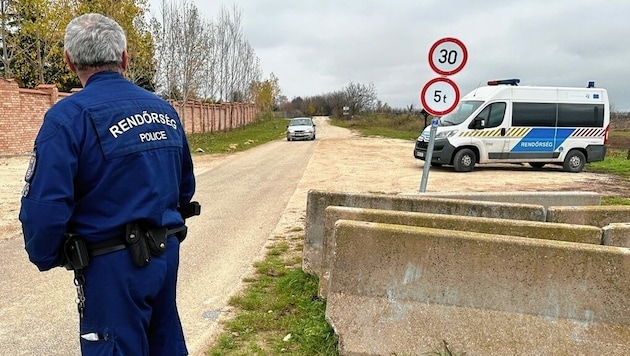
(619, 139)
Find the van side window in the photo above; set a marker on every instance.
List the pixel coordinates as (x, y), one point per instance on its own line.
(580, 115)
(492, 115)
(497, 112)
(534, 114)
(567, 115)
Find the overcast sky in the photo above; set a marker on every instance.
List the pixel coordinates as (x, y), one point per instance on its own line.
(319, 46)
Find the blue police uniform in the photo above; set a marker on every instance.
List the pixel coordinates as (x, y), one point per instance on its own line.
(111, 154)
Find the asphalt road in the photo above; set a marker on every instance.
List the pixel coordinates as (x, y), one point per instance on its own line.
(242, 198)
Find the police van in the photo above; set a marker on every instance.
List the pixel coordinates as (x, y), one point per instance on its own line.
(507, 123)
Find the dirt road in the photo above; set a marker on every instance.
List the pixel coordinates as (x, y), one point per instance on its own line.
(338, 160)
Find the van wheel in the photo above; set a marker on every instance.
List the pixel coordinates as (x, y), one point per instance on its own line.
(464, 160)
(574, 161)
(537, 165)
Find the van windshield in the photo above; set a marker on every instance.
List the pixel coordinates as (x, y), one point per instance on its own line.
(461, 113)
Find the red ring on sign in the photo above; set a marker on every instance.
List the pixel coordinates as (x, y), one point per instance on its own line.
(424, 91)
(439, 42)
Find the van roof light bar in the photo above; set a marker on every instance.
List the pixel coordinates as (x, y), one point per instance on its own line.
(504, 82)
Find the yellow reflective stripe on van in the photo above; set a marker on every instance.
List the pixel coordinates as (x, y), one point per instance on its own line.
(518, 131)
(480, 133)
(512, 132)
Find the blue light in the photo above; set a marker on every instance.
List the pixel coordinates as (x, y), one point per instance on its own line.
(504, 82)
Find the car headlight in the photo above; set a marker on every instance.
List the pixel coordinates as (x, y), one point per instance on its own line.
(446, 134)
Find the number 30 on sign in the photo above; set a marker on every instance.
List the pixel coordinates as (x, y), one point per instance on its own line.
(448, 56)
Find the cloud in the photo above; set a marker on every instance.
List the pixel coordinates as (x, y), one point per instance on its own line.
(319, 46)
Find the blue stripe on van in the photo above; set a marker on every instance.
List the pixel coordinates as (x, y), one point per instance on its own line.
(542, 140)
(562, 136)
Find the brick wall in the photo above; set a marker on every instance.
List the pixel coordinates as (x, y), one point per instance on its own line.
(22, 111)
(199, 117)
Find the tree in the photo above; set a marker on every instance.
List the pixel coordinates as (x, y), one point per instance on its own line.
(235, 63)
(181, 46)
(141, 68)
(360, 97)
(40, 55)
(8, 29)
(203, 59)
(33, 39)
(266, 93)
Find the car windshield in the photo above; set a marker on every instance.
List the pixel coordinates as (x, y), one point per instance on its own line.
(298, 122)
(461, 113)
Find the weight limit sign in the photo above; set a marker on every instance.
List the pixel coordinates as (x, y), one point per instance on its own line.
(439, 96)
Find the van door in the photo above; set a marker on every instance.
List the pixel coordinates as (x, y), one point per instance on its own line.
(534, 131)
(492, 137)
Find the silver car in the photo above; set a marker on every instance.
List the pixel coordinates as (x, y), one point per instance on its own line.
(301, 128)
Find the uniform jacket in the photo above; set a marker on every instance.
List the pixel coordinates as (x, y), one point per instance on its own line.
(107, 155)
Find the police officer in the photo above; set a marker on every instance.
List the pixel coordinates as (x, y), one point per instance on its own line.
(107, 156)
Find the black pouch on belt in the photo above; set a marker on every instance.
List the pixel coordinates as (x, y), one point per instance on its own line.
(75, 254)
(156, 238)
(138, 247)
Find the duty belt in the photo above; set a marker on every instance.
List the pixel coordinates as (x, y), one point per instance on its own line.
(119, 243)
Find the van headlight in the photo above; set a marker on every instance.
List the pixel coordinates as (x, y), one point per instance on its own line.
(446, 134)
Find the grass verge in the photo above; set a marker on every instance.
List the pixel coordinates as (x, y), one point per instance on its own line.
(265, 129)
(401, 127)
(278, 312)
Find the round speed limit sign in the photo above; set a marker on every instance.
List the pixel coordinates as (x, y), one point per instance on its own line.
(448, 56)
(439, 96)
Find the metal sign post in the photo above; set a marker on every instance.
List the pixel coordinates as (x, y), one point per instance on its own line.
(435, 122)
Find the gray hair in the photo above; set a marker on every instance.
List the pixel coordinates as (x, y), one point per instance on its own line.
(93, 40)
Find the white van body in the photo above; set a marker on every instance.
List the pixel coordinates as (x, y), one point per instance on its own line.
(522, 124)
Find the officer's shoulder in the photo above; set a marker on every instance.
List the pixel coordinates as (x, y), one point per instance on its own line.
(153, 95)
(66, 107)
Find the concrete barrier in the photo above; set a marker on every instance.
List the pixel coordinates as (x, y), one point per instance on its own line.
(545, 199)
(599, 216)
(408, 290)
(616, 235)
(317, 201)
(523, 228)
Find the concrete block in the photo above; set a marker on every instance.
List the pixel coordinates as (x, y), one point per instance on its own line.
(317, 201)
(523, 228)
(572, 198)
(405, 290)
(599, 216)
(616, 235)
